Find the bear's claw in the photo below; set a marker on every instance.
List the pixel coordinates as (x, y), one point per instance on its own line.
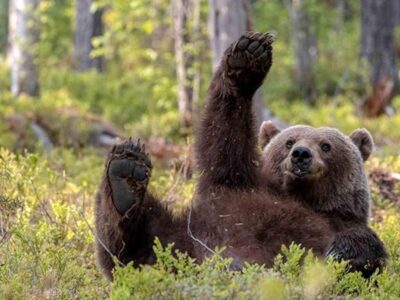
(129, 160)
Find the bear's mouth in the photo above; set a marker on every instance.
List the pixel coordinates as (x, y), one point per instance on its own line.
(299, 172)
(294, 172)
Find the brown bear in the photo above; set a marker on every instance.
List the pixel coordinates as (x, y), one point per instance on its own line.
(231, 208)
(323, 169)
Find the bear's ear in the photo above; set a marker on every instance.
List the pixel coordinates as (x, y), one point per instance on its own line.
(364, 142)
(267, 131)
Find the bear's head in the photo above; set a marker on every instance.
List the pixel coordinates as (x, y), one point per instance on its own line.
(320, 163)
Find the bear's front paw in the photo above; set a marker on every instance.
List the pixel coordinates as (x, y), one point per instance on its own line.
(364, 253)
(248, 60)
(128, 173)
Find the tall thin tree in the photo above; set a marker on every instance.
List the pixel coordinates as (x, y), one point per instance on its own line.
(24, 36)
(87, 26)
(305, 49)
(378, 20)
(189, 49)
(3, 25)
(183, 61)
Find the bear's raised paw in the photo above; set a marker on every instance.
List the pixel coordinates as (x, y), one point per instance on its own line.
(253, 50)
(248, 60)
(128, 173)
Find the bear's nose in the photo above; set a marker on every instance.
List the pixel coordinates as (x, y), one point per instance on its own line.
(301, 157)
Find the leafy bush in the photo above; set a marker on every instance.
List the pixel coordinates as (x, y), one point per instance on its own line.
(47, 249)
(295, 275)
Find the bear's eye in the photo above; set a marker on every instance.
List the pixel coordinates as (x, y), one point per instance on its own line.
(325, 147)
(289, 144)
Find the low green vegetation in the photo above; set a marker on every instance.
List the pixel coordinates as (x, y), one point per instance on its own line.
(47, 245)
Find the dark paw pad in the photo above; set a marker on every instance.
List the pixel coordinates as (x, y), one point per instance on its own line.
(253, 52)
(128, 173)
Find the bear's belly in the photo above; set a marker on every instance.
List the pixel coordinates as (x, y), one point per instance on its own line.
(253, 227)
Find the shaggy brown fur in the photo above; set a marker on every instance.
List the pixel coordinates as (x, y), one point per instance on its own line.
(231, 208)
(330, 179)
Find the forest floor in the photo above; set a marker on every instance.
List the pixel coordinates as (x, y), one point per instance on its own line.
(48, 189)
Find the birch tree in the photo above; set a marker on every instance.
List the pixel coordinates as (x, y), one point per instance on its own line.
(189, 44)
(3, 25)
(23, 52)
(183, 61)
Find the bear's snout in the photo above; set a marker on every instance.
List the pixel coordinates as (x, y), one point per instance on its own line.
(301, 158)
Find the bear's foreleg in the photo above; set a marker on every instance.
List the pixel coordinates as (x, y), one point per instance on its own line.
(226, 140)
(362, 248)
(127, 217)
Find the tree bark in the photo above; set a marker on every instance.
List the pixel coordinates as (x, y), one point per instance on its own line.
(183, 62)
(305, 49)
(3, 25)
(23, 54)
(228, 20)
(340, 14)
(199, 47)
(378, 20)
(397, 12)
(88, 25)
(377, 38)
(98, 29)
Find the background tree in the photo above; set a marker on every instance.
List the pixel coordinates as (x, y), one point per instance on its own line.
(3, 25)
(184, 60)
(24, 38)
(228, 20)
(378, 21)
(305, 48)
(189, 43)
(397, 10)
(87, 26)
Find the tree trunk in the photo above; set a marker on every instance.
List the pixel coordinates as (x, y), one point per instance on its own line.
(340, 14)
(199, 47)
(183, 62)
(397, 10)
(228, 20)
(305, 50)
(3, 25)
(98, 29)
(378, 19)
(88, 25)
(23, 53)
